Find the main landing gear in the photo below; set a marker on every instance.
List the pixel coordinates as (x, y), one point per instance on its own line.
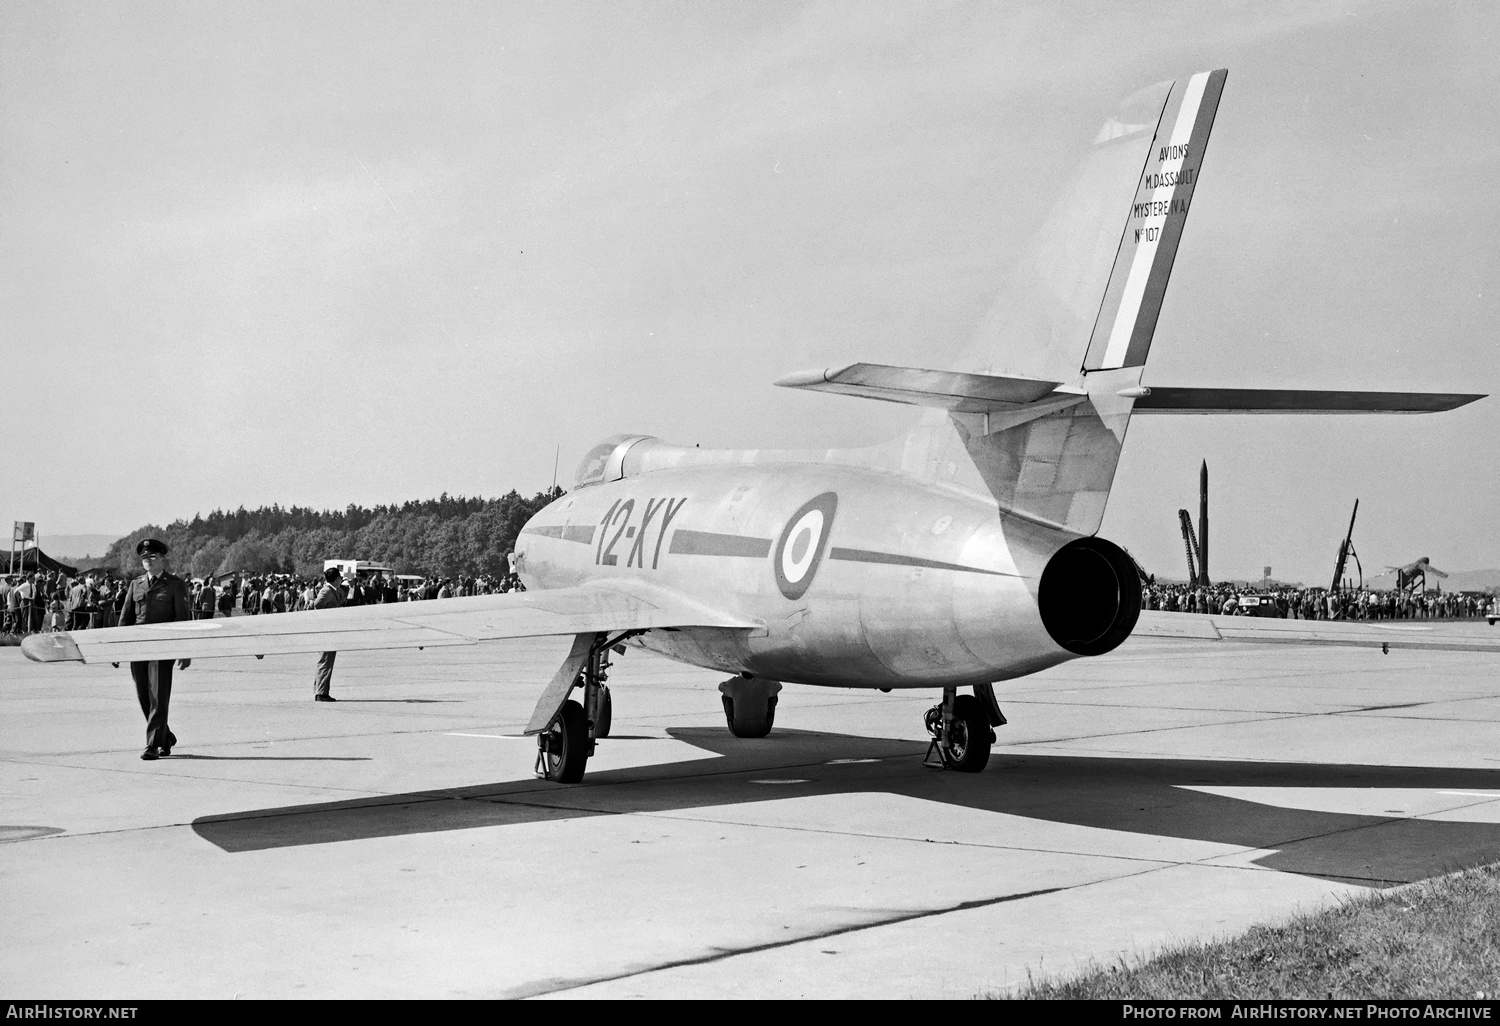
(749, 705)
(961, 729)
(563, 749)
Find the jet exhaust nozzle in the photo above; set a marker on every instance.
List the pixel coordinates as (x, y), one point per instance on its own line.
(1089, 596)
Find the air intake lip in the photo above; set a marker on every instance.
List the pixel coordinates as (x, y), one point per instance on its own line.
(1089, 596)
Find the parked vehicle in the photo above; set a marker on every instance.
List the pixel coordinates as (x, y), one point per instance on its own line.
(1259, 605)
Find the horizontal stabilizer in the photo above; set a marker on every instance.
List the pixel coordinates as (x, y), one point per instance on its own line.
(947, 390)
(1292, 400)
(960, 392)
(1453, 636)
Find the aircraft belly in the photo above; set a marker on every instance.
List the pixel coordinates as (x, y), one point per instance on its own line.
(708, 647)
(908, 624)
(817, 642)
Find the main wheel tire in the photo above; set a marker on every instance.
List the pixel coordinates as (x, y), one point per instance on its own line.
(565, 745)
(742, 720)
(969, 746)
(606, 713)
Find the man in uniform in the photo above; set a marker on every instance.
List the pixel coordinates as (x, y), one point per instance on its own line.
(155, 597)
(330, 596)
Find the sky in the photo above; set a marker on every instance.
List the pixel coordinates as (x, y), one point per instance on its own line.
(332, 253)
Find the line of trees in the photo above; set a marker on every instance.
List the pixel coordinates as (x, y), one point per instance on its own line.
(442, 537)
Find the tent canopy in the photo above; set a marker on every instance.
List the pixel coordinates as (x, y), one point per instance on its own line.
(35, 560)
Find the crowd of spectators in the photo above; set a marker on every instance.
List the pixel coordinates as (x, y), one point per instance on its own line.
(1314, 603)
(284, 593)
(50, 600)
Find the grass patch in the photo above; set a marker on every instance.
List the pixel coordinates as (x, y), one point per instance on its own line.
(1436, 939)
(9, 639)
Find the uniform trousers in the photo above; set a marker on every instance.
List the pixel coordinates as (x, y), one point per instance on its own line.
(324, 678)
(153, 686)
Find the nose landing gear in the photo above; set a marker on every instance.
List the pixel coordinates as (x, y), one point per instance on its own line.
(564, 747)
(960, 729)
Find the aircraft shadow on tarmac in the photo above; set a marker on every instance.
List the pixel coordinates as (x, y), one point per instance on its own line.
(273, 758)
(402, 701)
(1142, 796)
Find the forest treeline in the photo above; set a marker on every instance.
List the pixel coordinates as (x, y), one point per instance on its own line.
(442, 537)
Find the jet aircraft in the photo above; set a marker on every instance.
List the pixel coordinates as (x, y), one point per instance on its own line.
(1408, 575)
(960, 555)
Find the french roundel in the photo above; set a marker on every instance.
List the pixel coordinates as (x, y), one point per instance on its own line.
(799, 550)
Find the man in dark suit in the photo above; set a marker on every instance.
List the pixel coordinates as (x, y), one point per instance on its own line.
(208, 600)
(155, 597)
(330, 596)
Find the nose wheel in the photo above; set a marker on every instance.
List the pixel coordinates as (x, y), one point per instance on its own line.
(961, 734)
(562, 750)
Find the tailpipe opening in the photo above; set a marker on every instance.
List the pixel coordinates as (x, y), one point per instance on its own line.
(1089, 596)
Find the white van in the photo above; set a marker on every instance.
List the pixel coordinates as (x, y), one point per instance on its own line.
(356, 569)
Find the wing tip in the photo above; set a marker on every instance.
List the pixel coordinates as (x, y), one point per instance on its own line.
(51, 648)
(801, 379)
(812, 378)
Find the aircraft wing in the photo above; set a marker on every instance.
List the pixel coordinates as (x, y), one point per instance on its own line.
(585, 609)
(1453, 636)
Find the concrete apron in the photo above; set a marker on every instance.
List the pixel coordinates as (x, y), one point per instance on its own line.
(395, 843)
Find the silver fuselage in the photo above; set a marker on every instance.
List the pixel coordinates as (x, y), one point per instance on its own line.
(892, 584)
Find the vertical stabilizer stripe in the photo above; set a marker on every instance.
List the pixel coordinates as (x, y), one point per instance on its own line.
(1145, 254)
(1171, 230)
(1132, 301)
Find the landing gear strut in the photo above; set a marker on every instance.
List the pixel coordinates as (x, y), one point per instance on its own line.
(960, 729)
(563, 749)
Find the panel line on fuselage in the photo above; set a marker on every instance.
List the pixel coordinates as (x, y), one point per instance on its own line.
(894, 559)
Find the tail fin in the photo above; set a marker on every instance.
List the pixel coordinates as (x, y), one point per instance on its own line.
(1081, 310)
(1138, 173)
(1037, 410)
